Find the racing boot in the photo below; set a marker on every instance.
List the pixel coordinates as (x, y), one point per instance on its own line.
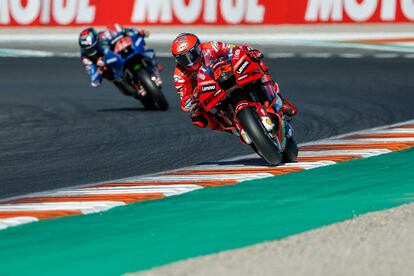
(287, 107)
(204, 120)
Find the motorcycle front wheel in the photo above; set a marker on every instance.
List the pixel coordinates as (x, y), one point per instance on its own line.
(154, 94)
(262, 141)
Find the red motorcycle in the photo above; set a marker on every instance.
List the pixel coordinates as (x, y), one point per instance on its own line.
(230, 89)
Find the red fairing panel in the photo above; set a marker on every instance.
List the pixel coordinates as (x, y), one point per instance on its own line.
(204, 12)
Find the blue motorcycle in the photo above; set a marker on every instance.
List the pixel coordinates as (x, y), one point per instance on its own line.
(133, 66)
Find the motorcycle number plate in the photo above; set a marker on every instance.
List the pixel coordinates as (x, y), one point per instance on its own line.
(222, 70)
(123, 43)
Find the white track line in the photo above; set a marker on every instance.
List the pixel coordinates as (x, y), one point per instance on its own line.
(167, 190)
(84, 207)
(10, 222)
(281, 55)
(390, 131)
(350, 55)
(363, 153)
(363, 141)
(219, 167)
(384, 140)
(317, 55)
(386, 55)
(237, 177)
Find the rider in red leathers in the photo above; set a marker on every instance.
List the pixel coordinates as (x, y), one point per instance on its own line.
(190, 55)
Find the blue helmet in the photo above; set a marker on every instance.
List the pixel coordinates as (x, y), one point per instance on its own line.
(88, 41)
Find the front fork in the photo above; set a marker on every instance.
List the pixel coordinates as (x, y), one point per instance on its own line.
(155, 77)
(271, 121)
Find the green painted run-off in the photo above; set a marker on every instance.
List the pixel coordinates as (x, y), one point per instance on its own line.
(144, 235)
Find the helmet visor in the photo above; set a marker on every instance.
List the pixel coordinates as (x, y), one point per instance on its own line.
(190, 57)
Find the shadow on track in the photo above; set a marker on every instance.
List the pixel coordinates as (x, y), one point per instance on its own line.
(253, 161)
(125, 109)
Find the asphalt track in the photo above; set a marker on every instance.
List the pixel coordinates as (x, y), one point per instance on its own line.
(56, 131)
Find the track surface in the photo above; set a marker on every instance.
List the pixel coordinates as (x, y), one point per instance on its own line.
(56, 131)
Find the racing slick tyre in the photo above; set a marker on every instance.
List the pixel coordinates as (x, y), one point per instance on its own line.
(146, 101)
(291, 151)
(261, 139)
(154, 92)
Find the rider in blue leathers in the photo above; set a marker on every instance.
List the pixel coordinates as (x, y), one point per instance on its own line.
(94, 45)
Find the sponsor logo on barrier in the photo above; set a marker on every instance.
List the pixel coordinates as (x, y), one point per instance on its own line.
(190, 11)
(46, 12)
(198, 12)
(358, 10)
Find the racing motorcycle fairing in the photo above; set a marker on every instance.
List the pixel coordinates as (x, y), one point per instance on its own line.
(128, 52)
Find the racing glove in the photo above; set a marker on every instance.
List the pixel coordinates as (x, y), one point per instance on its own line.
(101, 65)
(255, 55)
(144, 33)
(191, 102)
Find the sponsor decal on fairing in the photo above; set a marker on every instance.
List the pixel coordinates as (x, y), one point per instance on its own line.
(208, 88)
(217, 93)
(111, 60)
(201, 76)
(242, 77)
(178, 79)
(243, 67)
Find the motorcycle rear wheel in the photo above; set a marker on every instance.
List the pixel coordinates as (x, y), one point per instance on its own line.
(261, 139)
(291, 151)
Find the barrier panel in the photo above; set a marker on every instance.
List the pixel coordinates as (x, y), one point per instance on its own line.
(202, 12)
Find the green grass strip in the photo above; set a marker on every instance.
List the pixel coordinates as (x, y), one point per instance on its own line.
(149, 234)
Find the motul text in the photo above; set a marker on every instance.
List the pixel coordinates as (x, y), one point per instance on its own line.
(202, 12)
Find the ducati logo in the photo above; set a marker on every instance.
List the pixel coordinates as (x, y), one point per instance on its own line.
(182, 47)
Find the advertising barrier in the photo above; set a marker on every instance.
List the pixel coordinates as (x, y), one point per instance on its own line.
(202, 12)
